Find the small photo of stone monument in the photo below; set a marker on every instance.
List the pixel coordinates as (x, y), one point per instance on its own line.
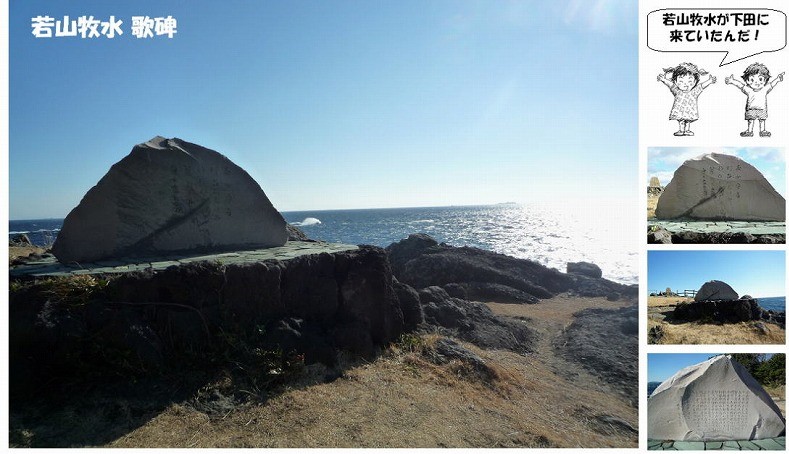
(705, 401)
(716, 297)
(716, 195)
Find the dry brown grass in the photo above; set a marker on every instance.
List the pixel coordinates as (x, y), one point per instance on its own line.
(401, 400)
(660, 301)
(729, 333)
(557, 309)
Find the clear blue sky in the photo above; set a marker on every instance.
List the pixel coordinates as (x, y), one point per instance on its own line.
(337, 104)
(661, 366)
(771, 162)
(756, 273)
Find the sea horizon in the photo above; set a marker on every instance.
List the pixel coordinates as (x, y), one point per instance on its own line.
(564, 202)
(550, 235)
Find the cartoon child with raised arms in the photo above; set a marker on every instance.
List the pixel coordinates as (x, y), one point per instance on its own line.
(756, 77)
(684, 83)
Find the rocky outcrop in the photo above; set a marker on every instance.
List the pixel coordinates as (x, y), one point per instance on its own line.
(720, 186)
(420, 262)
(20, 239)
(313, 305)
(296, 234)
(447, 350)
(473, 322)
(410, 304)
(726, 311)
(605, 342)
(731, 311)
(169, 195)
(659, 235)
(491, 291)
(715, 290)
(584, 269)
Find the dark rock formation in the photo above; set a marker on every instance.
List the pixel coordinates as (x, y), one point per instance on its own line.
(409, 304)
(410, 248)
(457, 290)
(731, 311)
(474, 322)
(446, 350)
(605, 341)
(420, 262)
(296, 234)
(20, 239)
(169, 195)
(655, 334)
(658, 235)
(584, 269)
(313, 305)
(490, 291)
(304, 337)
(725, 238)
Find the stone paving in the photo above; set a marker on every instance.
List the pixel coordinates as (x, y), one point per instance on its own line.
(768, 444)
(752, 227)
(49, 266)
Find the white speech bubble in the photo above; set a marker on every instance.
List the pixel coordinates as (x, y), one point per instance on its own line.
(740, 32)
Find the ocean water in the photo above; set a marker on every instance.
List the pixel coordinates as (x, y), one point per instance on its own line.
(41, 232)
(776, 303)
(602, 234)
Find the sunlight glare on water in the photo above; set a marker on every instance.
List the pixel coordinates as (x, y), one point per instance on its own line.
(604, 234)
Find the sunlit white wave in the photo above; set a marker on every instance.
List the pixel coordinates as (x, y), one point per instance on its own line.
(27, 232)
(306, 222)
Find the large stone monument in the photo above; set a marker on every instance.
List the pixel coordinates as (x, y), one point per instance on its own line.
(713, 401)
(169, 196)
(716, 290)
(717, 186)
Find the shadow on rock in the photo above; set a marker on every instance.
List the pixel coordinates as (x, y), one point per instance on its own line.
(250, 328)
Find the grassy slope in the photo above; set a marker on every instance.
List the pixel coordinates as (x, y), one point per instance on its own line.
(401, 400)
(706, 333)
(398, 400)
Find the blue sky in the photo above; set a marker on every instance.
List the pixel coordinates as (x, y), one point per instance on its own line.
(337, 104)
(771, 162)
(661, 366)
(756, 273)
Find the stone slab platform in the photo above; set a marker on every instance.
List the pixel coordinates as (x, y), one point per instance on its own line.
(752, 227)
(49, 266)
(767, 444)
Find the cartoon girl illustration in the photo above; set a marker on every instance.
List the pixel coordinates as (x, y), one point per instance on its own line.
(684, 83)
